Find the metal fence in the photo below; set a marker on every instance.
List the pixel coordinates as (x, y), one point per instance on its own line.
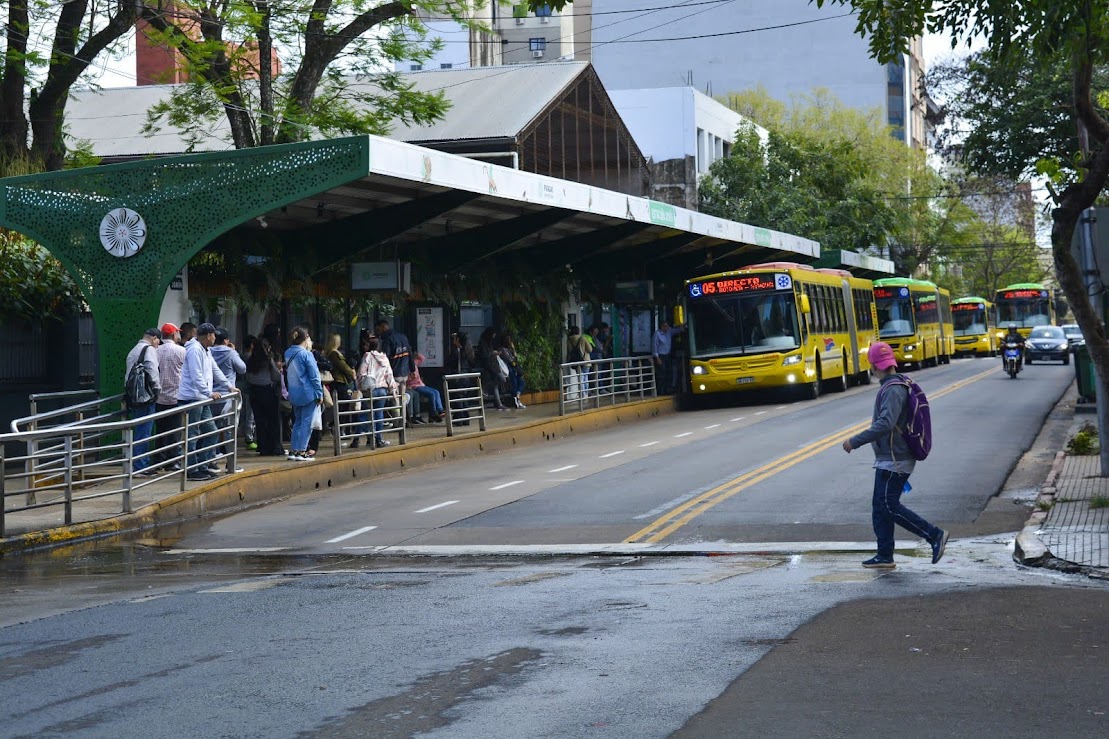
(593, 383)
(370, 418)
(463, 401)
(94, 450)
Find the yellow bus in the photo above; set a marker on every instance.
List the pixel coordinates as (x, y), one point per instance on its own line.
(1027, 304)
(914, 318)
(975, 332)
(777, 325)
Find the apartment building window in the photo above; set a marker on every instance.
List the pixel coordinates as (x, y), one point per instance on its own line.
(543, 11)
(702, 158)
(520, 10)
(415, 67)
(537, 44)
(446, 65)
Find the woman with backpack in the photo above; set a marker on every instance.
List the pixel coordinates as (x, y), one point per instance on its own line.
(893, 463)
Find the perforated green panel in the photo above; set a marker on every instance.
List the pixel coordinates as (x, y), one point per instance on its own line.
(184, 203)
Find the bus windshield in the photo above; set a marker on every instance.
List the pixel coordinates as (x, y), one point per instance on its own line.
(970, 320)
(895, 317)
(745, 324)
(1025, 313)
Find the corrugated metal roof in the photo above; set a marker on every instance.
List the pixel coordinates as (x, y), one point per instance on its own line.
(488, 102)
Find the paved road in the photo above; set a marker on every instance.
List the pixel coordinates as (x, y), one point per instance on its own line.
(161, 636)
(778, 470)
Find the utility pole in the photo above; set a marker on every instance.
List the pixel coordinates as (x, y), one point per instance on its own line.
(1092, 279)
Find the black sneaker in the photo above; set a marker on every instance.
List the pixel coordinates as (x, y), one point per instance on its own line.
(878, 562)
(938, 546)
(200, 476)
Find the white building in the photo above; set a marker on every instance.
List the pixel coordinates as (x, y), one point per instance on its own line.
(682, 131)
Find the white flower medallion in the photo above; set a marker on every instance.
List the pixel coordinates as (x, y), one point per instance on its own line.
(123, 232)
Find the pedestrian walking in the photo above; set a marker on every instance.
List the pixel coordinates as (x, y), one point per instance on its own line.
(398, 349)
(893, 463)
(661, 351)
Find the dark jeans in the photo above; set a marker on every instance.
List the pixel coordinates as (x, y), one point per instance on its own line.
(379, 398)
(141, 432)
(171, 442)
(433, 397)
(887, 511)
(202, 433)
(267, 420)
(663, 374)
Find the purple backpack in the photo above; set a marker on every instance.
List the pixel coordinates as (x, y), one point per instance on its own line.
(918, 418)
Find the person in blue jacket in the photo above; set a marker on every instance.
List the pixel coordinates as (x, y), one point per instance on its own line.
(305, 390)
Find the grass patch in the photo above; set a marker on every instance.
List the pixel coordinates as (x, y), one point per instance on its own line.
(1099, 501)
(1043, 505)
(1085, 442)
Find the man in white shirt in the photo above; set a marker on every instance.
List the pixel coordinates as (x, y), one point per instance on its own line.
(171, 357)
(198, 375)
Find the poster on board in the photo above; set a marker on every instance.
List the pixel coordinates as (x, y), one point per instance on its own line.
(429, 335)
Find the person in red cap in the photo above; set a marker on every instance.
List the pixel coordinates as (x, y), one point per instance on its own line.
(171, 356)
(893, 463)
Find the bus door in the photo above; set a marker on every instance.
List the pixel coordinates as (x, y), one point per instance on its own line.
(852, 327)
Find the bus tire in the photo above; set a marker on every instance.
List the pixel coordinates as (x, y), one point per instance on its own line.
(864, 377)
(839, 384)
(812, 392)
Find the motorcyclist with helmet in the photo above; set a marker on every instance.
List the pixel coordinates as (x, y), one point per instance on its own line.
(1013, 337)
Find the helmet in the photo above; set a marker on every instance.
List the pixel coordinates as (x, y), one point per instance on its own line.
(1012, 327)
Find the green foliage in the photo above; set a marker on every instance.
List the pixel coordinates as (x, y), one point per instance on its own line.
(537, 332)
(1099, 501)
(1085, 442)
(836, 175)
(33, 284)
(334, 80)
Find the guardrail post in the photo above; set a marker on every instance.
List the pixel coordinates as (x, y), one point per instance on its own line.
(3, 490)
(236, 407)
(448, 412)
(562, 389)
(336, 429)
(29, 467)
(184, 449)
(68, 479)
(128, 466)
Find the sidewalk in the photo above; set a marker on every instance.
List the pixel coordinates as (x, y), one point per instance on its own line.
(1069, 530)
(264, 479)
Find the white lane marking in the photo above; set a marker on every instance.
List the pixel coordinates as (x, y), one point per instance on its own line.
(249, 586)
(563, 469)
(654, 512)
(145, 598)
(502, 486)
(780, 407)
(437, 505)
(715, 425)
(649, 443)
(230, 550)
(678, 436)
(610, 454)
(350, 535)
(760, 413)
(739, 418)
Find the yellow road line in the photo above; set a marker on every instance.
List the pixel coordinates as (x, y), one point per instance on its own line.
(674, 519)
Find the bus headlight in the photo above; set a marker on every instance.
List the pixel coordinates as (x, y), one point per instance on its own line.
(699, 370)
(788, 361)
(909, 348)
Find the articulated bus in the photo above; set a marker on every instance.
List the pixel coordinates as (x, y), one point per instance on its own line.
(914, 318)
(778, 325)
(1027, 304)
(975, 332)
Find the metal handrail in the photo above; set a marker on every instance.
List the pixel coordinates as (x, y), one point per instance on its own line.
(34, 420)
(589, 382)
(87, 460)
(463, 400)
(352, 418)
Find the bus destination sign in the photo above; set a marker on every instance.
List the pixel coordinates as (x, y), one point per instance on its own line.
(1019, 294)
(888, 293)
(967, 306)
(740, 284)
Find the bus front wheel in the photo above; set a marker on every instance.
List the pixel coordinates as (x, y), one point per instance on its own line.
(812, 391)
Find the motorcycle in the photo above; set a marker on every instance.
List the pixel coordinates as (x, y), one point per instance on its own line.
(1012, 359)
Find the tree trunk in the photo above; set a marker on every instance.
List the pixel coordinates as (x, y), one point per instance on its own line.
(13, 122)
(265, 75)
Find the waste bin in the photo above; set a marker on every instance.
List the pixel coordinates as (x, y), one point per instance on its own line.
(1084, 372)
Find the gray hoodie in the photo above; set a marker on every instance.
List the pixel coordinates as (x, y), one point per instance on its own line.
(890, 450)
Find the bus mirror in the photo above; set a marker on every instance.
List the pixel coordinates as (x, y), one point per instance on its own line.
(805, 304)
(679, 316)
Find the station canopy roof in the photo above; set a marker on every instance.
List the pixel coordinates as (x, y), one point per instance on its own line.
(427, 206)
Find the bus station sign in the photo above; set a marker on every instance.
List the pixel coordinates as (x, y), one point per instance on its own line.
(740, 284)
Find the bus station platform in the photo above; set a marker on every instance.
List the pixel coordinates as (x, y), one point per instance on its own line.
(265, 479)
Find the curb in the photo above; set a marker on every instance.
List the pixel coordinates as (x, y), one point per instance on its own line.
(1029, 549)
(262, 486)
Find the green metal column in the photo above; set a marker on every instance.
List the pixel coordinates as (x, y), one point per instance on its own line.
(123, 231)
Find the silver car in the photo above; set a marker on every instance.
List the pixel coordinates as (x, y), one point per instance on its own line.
(1047, 342)
(1074, 336)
